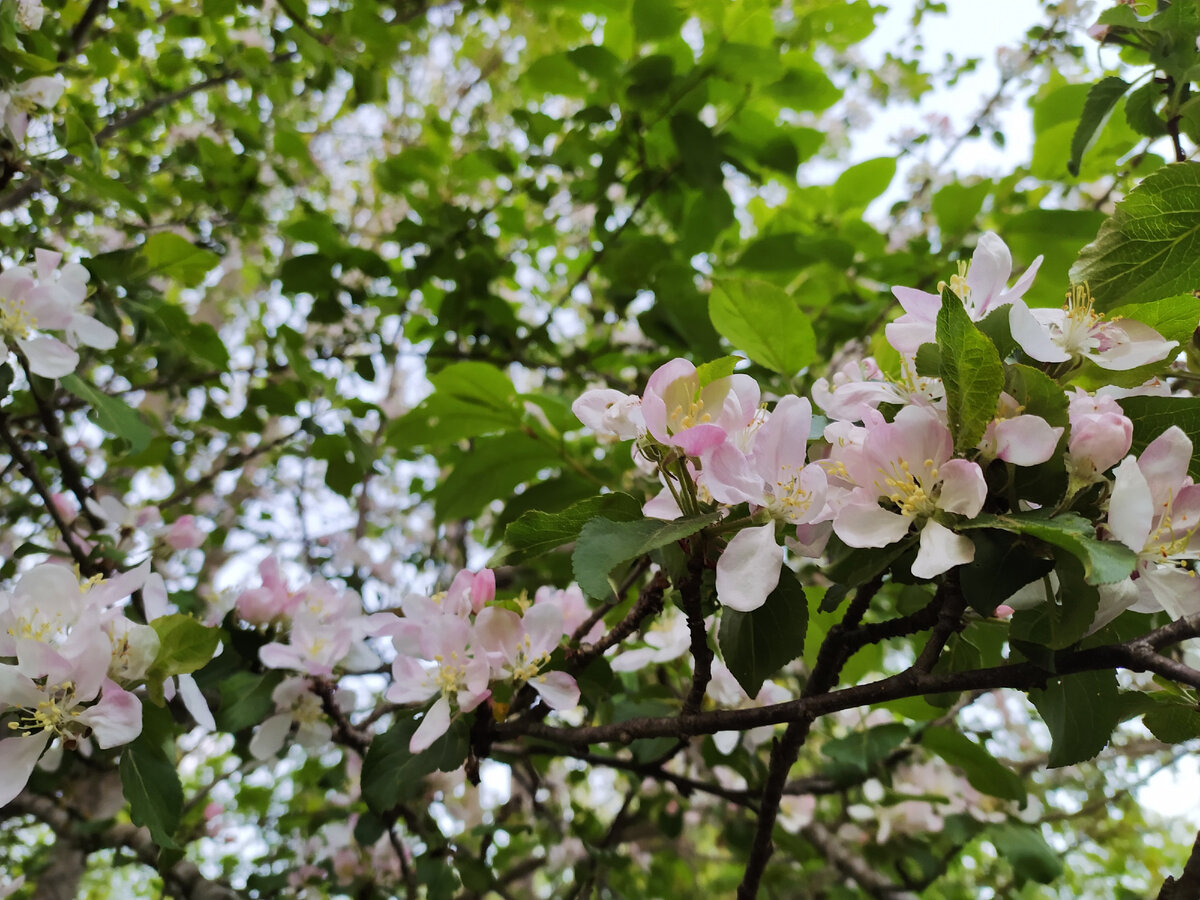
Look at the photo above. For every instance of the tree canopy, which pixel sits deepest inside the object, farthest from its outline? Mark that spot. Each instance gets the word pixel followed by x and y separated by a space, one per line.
pixel 493 450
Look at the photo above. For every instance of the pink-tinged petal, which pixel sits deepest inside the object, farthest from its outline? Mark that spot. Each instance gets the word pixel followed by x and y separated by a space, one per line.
pixel 940 550
pixel 1175 590
pixel 963 487
pixel 698 439
pixel 662 506
pixel 663 393
pixel 729 477
pixel 1026 440
pixel 91 332
pixel 1114 600
pixel 1032 336
pixel 1128 344
pixel 195 704
pixel 1100 439
pixel 748 570
pixel 268 739
pixel 116 719
pixel 45 262
pixel 1023 283
pixel 919 304
pixel 907 335
pixel 860 525
pixel 782 440
pixel 18 756
pixel 543 624
pixel 739 398
pixel 987 278
pixel 154 597
pixel 811 539
pixel 435 723
pixel 1164 462
pixel 499 630
pixel 1131 507
pixel 280 656
pixel 49 357
pixel 18 689
pixel 558 690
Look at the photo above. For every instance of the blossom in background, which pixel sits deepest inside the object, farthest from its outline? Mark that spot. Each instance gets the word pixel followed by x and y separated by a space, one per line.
pixel 520 646
pixel 981 284
pixel 24 312
pixel 67 288
pixel 17 105
pixel 30 14
pixel 296 706
pixel 1076 331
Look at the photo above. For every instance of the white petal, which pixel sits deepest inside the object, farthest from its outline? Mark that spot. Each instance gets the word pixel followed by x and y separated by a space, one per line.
pixel 558 690
pixel 748 570
pixel 269 738
pixel 432 727
pixel 1032 335
pixel 860 525
pixel 1131 508
pixel 18 756
pixel 194 703
pixel 941 549
pixel 49 357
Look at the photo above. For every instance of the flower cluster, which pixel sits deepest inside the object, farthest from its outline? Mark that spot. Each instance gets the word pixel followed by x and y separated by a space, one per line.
pixel 884 467
pixel 458 648
pixel 47 298
pixel 68 655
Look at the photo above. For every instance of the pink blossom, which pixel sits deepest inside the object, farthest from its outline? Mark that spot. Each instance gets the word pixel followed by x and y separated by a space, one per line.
pixel 908 465
pixel 861 385
pixel 1018 438
pixel 1101 435
pixel 680 413
pixel 24 312
pixel 520 646
pixel 981 284
pixel 1155 511
pixel 183 534
pixel 273 600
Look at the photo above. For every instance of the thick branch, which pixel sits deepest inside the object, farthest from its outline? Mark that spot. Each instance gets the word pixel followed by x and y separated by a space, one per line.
pixel 1187 885
pixel 1134 655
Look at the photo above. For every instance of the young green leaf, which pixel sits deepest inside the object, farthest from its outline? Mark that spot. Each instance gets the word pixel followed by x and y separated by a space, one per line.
pixel 1101 100
pixel 604 544
pixel 971 370
pixel 764 321
pixel 755 645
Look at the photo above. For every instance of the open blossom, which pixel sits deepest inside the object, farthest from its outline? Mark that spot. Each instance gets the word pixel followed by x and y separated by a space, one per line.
pixel 774 475
pixel 66 285
pixel 860 385
pixel 905 475
pixel 520 646
pixel 445 665
pixel 20 103
pixel 1155 511
pixel 982 285
pixel 1077 331
pixel 296 706
pixel 680 413
pixel 24 312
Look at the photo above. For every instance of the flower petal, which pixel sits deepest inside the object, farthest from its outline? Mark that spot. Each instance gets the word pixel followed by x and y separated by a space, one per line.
pixel 941 549
pixel 748 570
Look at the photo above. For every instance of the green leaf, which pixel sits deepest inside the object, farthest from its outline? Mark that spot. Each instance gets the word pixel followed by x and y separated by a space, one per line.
pixel 489 471
pixel 698 150
pixel 1027 852
pixel 1037 393
pixel 1101 101
pixel 1150 247
pixel 1141 110
pixel 654 19
pixel 1104 562
pixel 604 544
pixel 765 322
pixel 1151 416
pixel 857 754
pixel 536 532
pixel 862 183
pixel 391 773
pixel 1081 711
pixel 112 414
pixel 246 699
pixel 1002 566
pixel 469 399
pixel 184 646
pixel 150 778
pixel 174 257
pixel 1173 724
pixel 755 645
pixel 956 206
pixel 971 370
pixel 983 772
